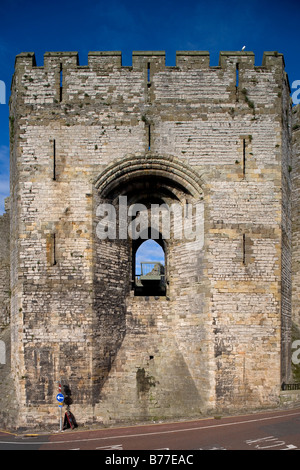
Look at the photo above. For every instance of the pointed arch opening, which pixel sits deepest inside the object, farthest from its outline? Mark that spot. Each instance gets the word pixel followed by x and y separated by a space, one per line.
pixel 149 184
pixel 149 266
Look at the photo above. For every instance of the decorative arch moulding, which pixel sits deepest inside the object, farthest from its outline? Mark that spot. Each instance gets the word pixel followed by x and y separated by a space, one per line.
pixel 170 168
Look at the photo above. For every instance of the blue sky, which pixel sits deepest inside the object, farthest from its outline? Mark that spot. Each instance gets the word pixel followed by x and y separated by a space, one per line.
pixel 125 25
pixel 149 251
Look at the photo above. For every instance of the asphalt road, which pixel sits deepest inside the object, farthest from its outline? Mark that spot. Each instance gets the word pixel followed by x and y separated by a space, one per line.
pixel 275 430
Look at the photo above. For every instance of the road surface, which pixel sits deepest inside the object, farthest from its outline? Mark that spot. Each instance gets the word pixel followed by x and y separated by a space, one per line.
pixel 275 430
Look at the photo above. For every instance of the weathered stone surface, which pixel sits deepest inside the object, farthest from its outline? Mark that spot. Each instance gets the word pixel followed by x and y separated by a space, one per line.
pixel 5 268
pixel 82 135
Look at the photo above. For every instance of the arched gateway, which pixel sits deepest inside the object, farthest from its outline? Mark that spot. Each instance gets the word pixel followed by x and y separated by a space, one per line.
pixel 142 198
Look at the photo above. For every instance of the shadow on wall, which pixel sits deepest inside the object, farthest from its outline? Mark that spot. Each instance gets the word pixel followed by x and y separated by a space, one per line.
pixel 111 285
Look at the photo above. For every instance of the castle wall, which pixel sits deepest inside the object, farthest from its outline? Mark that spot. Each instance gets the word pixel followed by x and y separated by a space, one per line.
pixel 295 219
pixel 8 401
pixel 5 269
pixel 221 327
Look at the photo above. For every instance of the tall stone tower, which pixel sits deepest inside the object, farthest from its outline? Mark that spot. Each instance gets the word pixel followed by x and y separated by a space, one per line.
pixel 295 173
pixel 90 144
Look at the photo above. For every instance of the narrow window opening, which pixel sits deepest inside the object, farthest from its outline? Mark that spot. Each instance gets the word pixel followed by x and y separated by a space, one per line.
pixel 237 75
pixel 244 157
pixel 54 160
pixel 54 248
pixel 149 260
pixel 61 83
pixel 186 210
pixel 237 82
pixel 149 137
pixel 244 249
pixel 148 73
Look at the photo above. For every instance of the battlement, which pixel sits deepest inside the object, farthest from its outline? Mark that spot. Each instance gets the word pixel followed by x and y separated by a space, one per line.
pixel 104 79
pixel 185 59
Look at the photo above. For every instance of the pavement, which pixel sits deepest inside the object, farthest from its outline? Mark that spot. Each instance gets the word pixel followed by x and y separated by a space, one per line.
pixel 272 430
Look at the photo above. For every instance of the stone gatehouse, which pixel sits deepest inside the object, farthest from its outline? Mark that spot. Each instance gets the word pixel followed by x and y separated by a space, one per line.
pixel 217 336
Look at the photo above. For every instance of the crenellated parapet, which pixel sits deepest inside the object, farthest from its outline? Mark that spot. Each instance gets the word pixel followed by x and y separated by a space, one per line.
pixel 61 78
pixel 185 59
